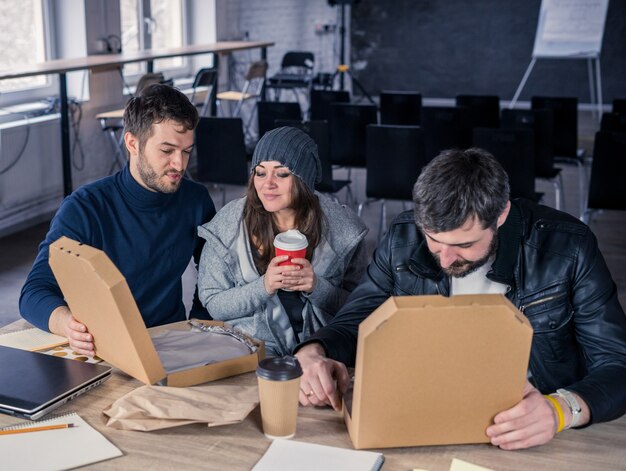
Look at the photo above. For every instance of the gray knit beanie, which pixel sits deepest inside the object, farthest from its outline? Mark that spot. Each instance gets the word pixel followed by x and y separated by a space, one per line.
pixel 294 149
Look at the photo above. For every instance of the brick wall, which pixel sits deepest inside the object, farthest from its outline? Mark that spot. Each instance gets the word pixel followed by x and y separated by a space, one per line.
pixel 291 24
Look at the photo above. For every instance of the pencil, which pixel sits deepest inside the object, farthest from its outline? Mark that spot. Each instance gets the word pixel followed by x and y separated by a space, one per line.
pixel 35 429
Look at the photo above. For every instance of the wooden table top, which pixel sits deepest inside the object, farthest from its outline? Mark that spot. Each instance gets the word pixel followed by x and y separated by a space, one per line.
pixel 108 60
pixel 240 446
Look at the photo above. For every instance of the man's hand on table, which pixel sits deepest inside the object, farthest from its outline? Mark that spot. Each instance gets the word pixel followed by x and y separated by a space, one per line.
pixel 323 380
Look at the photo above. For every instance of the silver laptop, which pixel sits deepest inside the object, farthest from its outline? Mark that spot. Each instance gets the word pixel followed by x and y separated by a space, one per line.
pixel 33 384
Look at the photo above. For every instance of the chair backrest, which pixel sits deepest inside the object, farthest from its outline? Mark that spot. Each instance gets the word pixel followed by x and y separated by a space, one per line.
pixel 205 77
pixel 321 101
pixel 258 69
pixel 514 149
pixel 348 128
pixel 150 78
pixel 403 108
pixel 445 128
pixel 484 109
pixel 270 111
pixel 608 172
pixel 300 59
pixel 541 123
pixel 395 157
pixel 619 105
pixel 565 133
pixel 221 151
pixel 614 122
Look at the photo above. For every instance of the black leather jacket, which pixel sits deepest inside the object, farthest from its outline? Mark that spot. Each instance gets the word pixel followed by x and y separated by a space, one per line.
pixel 554 273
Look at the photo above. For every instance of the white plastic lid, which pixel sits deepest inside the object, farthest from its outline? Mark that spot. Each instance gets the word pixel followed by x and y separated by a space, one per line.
pixel 292 239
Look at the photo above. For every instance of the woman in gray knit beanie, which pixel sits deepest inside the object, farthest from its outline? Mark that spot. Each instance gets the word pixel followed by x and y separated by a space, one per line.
pixel 241 280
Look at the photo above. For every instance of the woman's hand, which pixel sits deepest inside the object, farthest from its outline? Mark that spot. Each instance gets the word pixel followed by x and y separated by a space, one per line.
pixel 300 279
pixel 297 277
pixel 273 278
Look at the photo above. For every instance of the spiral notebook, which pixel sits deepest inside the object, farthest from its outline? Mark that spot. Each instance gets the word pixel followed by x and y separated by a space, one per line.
pixel 59 449
pixel 32 339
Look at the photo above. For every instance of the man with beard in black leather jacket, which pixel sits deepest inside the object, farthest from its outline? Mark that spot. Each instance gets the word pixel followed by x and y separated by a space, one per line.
pixel 465 236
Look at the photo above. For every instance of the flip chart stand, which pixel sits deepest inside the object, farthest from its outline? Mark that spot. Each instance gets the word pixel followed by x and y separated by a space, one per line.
pixel 595 83
pixel 570 29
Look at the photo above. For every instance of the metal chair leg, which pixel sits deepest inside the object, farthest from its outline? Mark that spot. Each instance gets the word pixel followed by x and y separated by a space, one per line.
pixel 558 197
pixel 383 218
pixel 359 210
pixel 350 197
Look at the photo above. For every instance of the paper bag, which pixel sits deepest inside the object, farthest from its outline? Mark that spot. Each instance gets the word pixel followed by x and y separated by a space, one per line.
pixel 157 407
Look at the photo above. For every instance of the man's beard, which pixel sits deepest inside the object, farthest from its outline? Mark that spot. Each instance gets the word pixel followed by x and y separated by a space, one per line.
pixel 152 180
pixel 462 268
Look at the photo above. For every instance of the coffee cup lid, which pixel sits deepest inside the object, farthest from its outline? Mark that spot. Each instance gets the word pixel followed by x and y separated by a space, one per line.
pixel 279 368
pixel 292 239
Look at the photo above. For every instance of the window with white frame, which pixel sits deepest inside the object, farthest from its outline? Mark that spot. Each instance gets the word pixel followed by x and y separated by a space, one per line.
pixel 153 24
pixel 25 27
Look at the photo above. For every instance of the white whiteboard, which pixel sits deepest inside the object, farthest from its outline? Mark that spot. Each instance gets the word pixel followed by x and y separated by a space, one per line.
pixel 570 28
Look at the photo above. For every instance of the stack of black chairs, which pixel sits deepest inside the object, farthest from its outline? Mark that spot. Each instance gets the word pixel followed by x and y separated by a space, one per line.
pixel 270 111
pixel 321 101
pixel 541 123
pixel 221 153
pixel 608 169
pixel 400 107
pixel 394 159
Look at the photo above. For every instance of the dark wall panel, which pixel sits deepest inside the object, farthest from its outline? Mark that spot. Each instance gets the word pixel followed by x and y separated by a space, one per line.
pixel 446 47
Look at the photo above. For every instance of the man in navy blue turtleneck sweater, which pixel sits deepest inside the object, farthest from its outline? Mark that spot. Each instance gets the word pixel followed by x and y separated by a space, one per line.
pixel 143 217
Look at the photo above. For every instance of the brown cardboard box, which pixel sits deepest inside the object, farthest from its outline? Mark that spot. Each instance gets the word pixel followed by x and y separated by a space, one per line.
pixel 432 370
pixel 98 296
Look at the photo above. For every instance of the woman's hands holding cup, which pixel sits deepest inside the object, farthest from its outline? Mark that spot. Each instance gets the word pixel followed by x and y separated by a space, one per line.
pixel 300 279
pixel 273 278
pixel 297 276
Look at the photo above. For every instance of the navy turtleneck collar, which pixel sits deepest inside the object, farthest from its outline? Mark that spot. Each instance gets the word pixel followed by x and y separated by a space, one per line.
pixel 139 196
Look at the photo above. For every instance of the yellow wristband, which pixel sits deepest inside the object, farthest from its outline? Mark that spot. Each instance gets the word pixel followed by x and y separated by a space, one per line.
pixel 559 412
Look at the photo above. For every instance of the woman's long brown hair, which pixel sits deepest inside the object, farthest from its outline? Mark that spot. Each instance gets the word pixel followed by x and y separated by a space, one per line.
pixel 262 227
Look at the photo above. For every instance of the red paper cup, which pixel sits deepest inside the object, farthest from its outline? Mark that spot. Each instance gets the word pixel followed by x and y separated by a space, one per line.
pixel 292 243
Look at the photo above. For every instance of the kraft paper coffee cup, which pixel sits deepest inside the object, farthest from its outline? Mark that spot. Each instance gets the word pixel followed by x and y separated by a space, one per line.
pixel 292 243
pixel 279 385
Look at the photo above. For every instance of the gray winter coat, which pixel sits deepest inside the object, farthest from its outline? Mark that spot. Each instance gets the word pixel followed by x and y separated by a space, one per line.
pixel 237 295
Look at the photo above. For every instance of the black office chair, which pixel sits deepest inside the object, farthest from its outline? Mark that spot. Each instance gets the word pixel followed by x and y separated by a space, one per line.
pixel 608 174
pixel 484 109
pixel 613 122
pixel 541 123
pixel 445 128
pixel 401 108
pixel 348 128
pixel 205 78
pixel 319 132
pixel 565 137
pixel 619 105
pixel 296 72
pixel 321 101
pixel 514 149
pixel 270 111
pixel 221 153
pixel 395 157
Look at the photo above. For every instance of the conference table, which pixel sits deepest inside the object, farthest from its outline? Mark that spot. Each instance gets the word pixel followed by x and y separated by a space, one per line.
pixel 240 446
pixel 63 66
